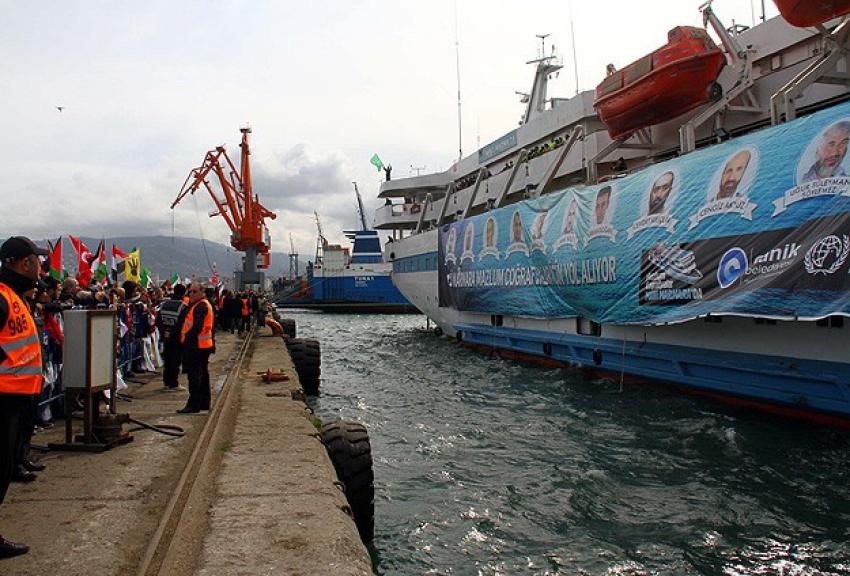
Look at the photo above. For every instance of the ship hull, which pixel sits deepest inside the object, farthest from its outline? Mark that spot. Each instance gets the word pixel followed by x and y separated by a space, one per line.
pixel 793 368
pixel 348 290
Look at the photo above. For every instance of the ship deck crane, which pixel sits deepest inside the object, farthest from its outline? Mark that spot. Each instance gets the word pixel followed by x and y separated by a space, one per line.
pixel 238 205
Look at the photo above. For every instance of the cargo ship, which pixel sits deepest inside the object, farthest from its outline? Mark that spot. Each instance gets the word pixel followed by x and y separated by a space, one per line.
pixel 701 240
pixel 339 280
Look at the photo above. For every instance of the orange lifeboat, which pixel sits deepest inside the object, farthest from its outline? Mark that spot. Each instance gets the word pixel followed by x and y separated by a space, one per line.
pixel 804 13
pixel 676 78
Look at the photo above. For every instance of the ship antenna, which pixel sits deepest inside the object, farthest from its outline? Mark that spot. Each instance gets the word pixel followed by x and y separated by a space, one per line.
pixel 573 36
pixel 542 44
pixel 457 70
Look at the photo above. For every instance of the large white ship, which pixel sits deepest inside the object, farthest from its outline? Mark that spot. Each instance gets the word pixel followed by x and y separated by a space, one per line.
pixel 688 222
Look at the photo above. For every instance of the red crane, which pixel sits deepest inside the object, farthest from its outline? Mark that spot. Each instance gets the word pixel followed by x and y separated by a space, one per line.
pixel 239 207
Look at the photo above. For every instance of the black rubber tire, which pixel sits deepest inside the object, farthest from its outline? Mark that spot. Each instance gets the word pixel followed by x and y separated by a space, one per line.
pixel 438 331
pixel 307 357
pixel 349 449
pixel 288 325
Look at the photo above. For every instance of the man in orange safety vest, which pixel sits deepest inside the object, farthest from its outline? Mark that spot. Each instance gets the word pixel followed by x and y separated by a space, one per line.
pixel 20 358
pixel 198 342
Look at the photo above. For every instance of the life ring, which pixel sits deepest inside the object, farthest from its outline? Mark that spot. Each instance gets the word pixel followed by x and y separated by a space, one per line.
pixel 277 329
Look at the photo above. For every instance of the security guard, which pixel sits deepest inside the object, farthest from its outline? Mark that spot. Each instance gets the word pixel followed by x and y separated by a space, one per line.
pixel 169 321
pixel 196 337
pixel 20 356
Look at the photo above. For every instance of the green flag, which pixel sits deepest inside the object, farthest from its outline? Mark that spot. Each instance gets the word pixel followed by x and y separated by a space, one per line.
pixel 145 278
pixel 376 162
pixel 173 279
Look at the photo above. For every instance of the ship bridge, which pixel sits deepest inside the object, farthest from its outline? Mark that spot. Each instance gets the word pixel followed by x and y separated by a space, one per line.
pixel 413 191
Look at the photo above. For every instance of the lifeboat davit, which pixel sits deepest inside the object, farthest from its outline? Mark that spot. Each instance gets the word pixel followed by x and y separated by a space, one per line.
pixel 676 78
pixel 804 13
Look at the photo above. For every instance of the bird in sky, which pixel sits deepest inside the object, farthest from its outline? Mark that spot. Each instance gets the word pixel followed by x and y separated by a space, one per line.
pixel 60 108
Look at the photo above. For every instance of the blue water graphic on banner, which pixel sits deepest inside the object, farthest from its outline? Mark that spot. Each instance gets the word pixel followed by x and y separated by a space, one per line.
pixel 758 226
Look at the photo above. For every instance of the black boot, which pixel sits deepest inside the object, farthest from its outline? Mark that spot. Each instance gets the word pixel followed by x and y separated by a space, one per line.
pixel 33 466
pixel 12 549
pixel 21 474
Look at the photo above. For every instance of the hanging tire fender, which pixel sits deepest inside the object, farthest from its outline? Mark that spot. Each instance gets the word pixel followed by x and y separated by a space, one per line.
pixel 350 451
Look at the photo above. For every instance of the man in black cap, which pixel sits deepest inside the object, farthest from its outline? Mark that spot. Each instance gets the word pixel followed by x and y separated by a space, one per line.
pixel 20 355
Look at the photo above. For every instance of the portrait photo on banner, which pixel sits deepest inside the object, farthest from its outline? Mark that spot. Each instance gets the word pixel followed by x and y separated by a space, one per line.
pixel 491 235
pixel 451 241
pixel 518 243
pixel 826 155
pixel 468 242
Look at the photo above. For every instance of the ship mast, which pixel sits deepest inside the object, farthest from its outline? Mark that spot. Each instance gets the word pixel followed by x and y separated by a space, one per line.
pixel 545 65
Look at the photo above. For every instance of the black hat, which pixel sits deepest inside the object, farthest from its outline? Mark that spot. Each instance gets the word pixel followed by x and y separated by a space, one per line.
pixel 49 281
pixel 18 247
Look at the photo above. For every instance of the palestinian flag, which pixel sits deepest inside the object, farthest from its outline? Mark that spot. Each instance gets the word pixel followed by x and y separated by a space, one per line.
pixel 97 265
pixel 53 266
pixel 84 257
pixel 118 258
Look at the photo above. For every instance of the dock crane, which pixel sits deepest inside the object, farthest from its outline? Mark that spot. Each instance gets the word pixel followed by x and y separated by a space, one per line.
pixel 293 259
pixel 239 207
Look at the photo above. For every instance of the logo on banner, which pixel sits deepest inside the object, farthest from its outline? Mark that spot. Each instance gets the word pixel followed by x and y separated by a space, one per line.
pixel 733 265
pixel 678 263
pixel 655 213
pixel 827 255
pixel 821 170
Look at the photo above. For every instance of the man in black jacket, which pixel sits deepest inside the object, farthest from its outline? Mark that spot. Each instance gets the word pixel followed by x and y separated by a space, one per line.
pixel 172 312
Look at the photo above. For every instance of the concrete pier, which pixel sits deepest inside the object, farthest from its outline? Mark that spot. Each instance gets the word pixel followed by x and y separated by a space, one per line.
pixel 264 501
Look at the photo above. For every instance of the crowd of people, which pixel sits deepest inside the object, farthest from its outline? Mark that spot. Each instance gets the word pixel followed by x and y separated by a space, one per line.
pixel 167 327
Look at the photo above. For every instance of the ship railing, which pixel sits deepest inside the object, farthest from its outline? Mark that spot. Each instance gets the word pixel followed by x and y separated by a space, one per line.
pixel 822 70
pixel 741 61
pixel 638 140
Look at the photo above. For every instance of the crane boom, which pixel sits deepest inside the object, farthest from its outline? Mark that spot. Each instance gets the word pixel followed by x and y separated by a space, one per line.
pixel 360 211
pixel 236 203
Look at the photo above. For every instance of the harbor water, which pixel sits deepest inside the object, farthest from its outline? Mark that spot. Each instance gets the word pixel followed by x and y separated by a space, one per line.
pixel 488 466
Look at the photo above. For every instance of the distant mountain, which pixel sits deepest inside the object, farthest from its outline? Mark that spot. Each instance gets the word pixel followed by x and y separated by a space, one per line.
pixel 165 255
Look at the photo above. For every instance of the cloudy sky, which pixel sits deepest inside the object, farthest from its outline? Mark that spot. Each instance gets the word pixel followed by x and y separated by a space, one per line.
pixel 148 87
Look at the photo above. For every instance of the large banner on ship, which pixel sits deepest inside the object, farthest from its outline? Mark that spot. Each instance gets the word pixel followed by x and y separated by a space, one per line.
pixel 758 226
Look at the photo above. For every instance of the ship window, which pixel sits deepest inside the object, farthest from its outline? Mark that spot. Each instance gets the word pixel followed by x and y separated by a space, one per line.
pixel 496 320
pixel 587 327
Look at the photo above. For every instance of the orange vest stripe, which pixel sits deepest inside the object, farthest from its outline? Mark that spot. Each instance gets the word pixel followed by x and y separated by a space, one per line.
pixel 21 371
pixel 245 310
pixel 205 337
